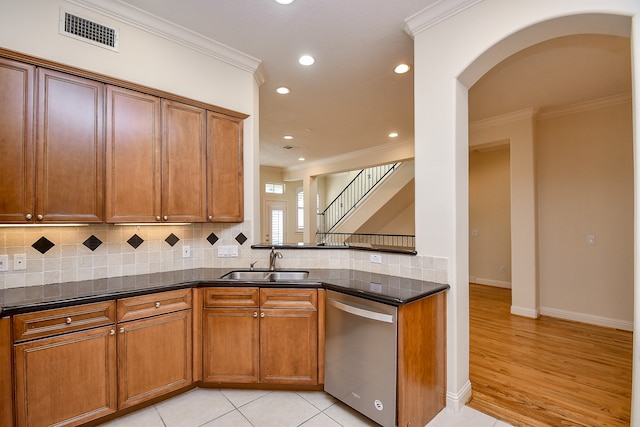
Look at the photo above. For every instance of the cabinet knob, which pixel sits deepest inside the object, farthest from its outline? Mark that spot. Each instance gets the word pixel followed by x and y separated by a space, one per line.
pixel 255 314
pixel 39 217
pixel 262 314
pixel 122 330
pixel 29 216
pixel 112 332
pixel 68 321
pixel 166 218
pixel 210 217
pixel 157 304
pixel 158 218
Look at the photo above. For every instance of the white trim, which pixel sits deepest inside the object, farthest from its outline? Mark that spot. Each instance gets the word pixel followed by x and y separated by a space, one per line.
pixel 431 15
pixel 625 325
pixel 457 401
pixel 527 113
pixel 490 282
pixel 593 104
pixel 526 312
pixel 162 28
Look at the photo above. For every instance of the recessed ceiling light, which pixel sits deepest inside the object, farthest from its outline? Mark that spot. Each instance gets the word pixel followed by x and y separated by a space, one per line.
pixel 284 1
pixel 283 90
pixel 287 137
pixel 306 60
pixel 301 159
pixel 401 69
pixel 393 135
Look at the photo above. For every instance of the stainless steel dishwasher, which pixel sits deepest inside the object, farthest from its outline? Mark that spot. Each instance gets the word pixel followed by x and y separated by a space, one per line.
pixel 361 354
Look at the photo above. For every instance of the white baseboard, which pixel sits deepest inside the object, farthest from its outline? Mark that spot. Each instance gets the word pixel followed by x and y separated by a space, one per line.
pixel 588 318
pixel 526 312
pixel 490 282
pixel 456 401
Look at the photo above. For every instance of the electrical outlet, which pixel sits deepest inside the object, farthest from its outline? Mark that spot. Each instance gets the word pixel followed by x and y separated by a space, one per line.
pixel 375 287
pixel 4 262
pixel 503 269
pixel 591 240
pixel 375 258
pixel 19 262
pixel 186 251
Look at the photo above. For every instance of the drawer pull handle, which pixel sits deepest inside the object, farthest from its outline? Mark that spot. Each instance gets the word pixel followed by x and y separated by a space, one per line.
pixel 112 332
pixel 157 304
pixel 122 330
pixel 68 321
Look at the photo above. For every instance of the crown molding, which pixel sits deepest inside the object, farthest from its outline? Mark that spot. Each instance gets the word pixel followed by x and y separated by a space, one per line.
pixel 595 104
pixel 169 31
pixel 435 13
pixel 527 113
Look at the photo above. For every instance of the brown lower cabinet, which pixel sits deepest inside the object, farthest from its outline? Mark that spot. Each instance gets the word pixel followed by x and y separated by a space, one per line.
pixel 76 364
pixel 253 335
pixel 66 380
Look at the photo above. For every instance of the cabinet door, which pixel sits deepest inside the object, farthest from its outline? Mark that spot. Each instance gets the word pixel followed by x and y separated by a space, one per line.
pixel 225 188
pixel 288 336
pixel 67 380
pixel 70 148
pixel 133 191
pixel 230 345
pixel 154 357
pixel 183 162
pixel 17 147
pixel 6 374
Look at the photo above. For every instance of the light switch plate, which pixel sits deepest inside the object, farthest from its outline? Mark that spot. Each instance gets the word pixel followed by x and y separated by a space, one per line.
pixel 227 251
pixel 4 262
pixel 19 262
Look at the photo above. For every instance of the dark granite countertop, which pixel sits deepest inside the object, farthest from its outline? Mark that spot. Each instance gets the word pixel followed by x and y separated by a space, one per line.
pixel 383 288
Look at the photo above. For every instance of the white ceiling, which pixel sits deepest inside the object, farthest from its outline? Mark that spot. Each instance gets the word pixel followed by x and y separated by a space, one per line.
pixel 350 99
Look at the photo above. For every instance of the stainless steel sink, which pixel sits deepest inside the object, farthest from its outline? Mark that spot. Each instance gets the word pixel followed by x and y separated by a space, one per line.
pixel 265 276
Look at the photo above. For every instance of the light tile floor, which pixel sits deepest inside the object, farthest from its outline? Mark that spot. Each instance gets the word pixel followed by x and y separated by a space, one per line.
pixel 258 408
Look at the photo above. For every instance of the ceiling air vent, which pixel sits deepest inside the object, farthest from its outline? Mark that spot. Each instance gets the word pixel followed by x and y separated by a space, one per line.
pixel 88 31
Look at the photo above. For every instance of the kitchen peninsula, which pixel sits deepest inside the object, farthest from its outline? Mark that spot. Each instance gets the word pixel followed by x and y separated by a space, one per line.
pixel 118 317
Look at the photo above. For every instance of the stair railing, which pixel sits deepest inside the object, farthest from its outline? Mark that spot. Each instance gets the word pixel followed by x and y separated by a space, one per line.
pixel 351 195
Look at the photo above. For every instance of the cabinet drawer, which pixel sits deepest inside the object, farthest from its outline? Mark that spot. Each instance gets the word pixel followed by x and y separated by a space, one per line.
pixel 306 299
pixel 47 323
pixel 153 304
pixel 231 297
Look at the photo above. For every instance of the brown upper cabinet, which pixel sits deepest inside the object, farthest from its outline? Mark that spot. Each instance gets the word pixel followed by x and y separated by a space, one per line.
pixel 225 186
pixel 58 175
pixel 167 158
pixel 69 148
pixel 133 159
pixel 156 159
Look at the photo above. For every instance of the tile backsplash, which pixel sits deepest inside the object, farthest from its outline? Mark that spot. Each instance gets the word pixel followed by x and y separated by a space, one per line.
pixel 69 254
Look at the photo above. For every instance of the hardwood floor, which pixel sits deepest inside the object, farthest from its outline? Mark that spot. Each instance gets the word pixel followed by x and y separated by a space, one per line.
pixel 546 372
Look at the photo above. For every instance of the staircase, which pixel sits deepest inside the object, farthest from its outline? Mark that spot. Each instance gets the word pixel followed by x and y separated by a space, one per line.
pixel 365 196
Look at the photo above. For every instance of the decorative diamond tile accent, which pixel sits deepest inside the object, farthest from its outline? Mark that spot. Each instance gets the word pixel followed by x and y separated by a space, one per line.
pixel 172 239
pixel 212 238
pixel 241 238
pixel 42 245
pixel 135 241
pixel 92 243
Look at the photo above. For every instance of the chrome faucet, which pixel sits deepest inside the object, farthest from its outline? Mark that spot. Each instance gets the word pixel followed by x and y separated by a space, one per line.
pixel 272 259
pixel 251 265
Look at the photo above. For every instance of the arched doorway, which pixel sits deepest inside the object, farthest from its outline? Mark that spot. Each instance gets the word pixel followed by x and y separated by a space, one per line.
pixel 477 39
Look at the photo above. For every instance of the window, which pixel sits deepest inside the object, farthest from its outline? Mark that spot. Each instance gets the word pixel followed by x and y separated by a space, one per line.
pixel 277 227
pixel 300 209
pixel 273 188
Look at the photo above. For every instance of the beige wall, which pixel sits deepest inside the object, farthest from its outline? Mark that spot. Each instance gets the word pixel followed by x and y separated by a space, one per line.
pixel 490 216
pixel 585 187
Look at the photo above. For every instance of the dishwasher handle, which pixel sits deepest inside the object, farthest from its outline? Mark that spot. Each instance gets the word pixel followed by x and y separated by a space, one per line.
pixel 361 312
